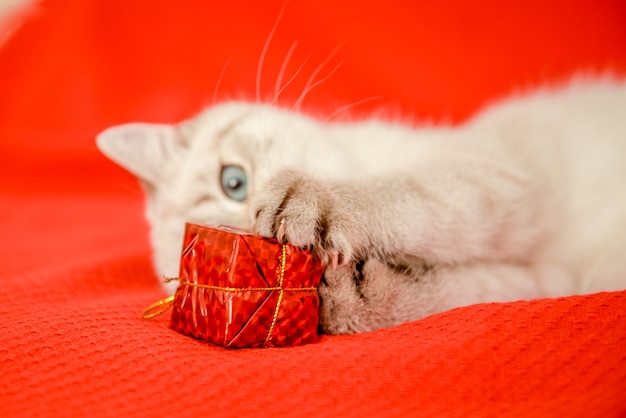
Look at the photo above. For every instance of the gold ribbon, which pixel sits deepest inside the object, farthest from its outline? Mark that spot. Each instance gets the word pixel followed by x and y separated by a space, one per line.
pixel 163 305
pixel 281 276
pixel 157 308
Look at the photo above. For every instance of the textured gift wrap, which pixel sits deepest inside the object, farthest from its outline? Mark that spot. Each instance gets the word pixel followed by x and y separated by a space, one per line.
pixel 241 290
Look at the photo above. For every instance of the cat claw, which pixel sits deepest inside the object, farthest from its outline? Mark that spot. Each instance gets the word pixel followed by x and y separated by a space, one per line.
pixel 334 260
pixel 280 234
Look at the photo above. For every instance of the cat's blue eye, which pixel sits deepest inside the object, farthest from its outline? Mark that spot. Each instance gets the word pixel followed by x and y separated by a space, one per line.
pixel 234 182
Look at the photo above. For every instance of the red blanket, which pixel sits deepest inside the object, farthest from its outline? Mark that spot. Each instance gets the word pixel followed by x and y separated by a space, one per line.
pixel 75 260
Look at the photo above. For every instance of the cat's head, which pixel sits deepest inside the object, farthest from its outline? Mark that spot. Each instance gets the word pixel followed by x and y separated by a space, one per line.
pixel 206 169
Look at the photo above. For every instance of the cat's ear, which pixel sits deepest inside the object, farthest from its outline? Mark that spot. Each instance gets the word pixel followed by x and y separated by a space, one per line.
pixel 149 151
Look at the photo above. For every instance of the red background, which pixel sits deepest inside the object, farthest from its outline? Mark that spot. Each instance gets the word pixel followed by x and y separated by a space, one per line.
pixel 74 257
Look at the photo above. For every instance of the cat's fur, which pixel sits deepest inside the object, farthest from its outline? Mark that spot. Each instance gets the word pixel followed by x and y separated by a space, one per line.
pixel 526 200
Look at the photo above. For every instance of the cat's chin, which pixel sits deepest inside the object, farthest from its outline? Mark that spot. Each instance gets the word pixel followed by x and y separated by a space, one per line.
pixel 168 276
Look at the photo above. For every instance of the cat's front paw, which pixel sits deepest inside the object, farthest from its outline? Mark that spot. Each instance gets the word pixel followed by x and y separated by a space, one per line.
pixel 300 210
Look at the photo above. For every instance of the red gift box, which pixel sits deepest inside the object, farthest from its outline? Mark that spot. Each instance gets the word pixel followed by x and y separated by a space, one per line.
pixel 241 290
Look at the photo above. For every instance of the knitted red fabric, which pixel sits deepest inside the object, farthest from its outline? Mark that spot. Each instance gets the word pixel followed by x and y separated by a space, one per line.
pixel 75 265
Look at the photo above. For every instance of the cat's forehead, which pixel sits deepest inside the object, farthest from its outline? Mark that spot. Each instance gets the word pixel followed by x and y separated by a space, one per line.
pixel 237 118
pixel 245 130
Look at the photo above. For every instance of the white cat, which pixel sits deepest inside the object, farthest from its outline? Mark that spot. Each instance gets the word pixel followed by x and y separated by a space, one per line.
pixel 526 200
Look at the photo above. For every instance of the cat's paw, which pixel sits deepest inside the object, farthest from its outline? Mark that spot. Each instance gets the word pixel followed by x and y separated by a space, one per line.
pixel 366 295
pixel 300 210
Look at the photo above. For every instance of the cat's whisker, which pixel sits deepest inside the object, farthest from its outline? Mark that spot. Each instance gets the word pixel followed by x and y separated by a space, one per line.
pixel 283 68
pixel 259 69
pixel 219 80
pixel 290 80
pixel 310 87
pixel 350 106
pixel 132 191
pixel 310 84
